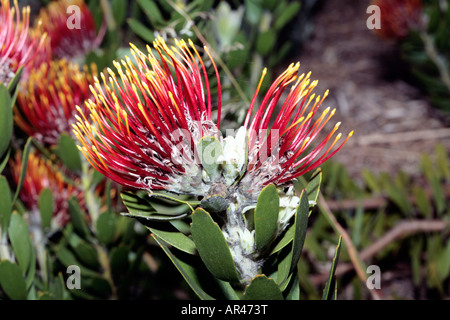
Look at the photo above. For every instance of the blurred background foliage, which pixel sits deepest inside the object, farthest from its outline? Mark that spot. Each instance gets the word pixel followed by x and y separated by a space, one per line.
pixel 397 222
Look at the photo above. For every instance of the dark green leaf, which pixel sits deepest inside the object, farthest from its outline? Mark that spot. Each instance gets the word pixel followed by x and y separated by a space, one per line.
pixel 287 15
pixel 141 30
pixel 45 203
pixel 213 247
pixel 5 203
pixel 265 42
pixel 188 272
pixel 137 203
pixel 6 120
pixel 12 86
pixel 119 10
pixel 152 11
pixel 20 241
pixel 176 239
pixel 106 227
pixel 301 225
pixel 23 169
pixel 262 288
pixel 328 291
pixel 77 217
pixel 266 216
pixel 285 240
pixel 68 152
pixel 12 281
pixel 4 160
pixel 313 187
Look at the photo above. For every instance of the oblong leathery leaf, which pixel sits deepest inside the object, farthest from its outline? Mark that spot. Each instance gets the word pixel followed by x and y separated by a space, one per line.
pixel 176 239
pixel 263 288
pixel 23 168
pixel 301 224
pixel 12 281
pixel 6 120
pixel 187 271
pixel 68 152
pixel 212 246
pixel 313 187
pixel 266 216
pixel 5 203
pixel 137 203
pixel 20 241
pixel 328 290
pixel 45 203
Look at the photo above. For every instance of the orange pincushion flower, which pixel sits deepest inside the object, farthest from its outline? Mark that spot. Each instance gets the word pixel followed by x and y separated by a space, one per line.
pixel 398 17
pixel 42 174
pixel 18 46
pixel 70 39
pixel 46 104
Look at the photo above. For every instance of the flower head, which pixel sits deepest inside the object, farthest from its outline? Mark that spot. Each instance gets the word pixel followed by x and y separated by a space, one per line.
pixel 72 36
pixel 46 102
pixel 18 45
pixel 42 174
pixel 153 128
pixel 398 17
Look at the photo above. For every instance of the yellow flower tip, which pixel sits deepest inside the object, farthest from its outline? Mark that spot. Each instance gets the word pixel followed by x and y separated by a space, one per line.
pixel 333 112
pixel 133 46
pixel 350 134
pixel 337 125
pixel 326 93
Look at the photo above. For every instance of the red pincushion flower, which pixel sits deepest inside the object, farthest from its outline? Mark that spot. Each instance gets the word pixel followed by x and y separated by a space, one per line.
pixel 42 174
pixel 18 46
pixel 148 129
pixel 71 28
pixel 46 102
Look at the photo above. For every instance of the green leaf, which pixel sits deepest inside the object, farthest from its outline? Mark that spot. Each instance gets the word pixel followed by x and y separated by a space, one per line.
pixel 12 86
pixel 6 120
pixel 5 203
pixel 84 251
pixel 106 227
pixel 4 160
pixel 137 203
pixel 328 291
pixel 12 281
pixel 266 216
pixel 313 187
pixel 213 247
pixel 152 11
pixel 285 240
pixel 20 241
pixel 147 220
pixel 119 10
pixel 287 15
pixel 23 169
pixel 188 272
pixel 45 203
pixel 141 30
pixel 209 149
pixel 176 239
pixel 265 42
pixel 293 289
pixel 77 218
pixel 301 225
pixel 262 288
pixel 68 152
